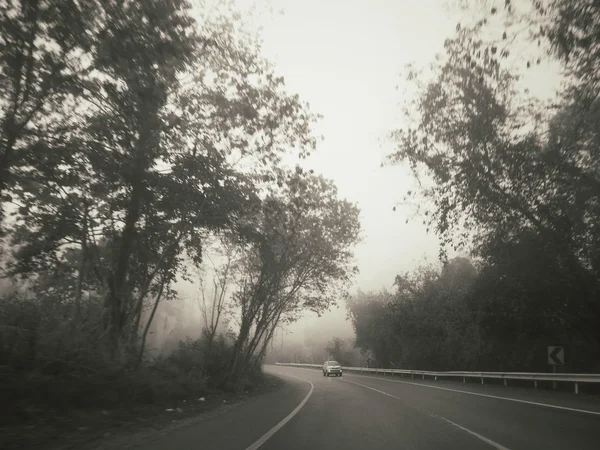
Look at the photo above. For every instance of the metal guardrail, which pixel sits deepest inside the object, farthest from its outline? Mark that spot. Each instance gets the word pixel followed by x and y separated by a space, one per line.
pixel 575 378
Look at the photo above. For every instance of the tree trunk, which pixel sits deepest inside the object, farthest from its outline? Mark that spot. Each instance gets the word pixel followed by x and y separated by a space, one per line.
pixel 137 172
pixel 238 346
pixel 82 264
pixel 265 345
pixel 7 152
pixel 266 325
pixel 9 137
pixel 138 316
pixel 247 320
pixel 150 319
pixel 115 298
pixel 79 286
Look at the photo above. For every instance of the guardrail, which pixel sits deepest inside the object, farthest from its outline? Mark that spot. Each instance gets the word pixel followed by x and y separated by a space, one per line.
pixel 575 378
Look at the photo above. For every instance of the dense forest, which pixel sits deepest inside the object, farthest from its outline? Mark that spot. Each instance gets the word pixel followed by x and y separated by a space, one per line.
pixel 515 182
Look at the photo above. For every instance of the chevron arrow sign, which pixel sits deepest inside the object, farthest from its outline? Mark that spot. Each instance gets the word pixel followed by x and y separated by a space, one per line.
pixel 556 356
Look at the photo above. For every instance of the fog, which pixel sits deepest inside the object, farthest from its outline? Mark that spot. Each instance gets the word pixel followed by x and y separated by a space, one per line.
pixel 181 319
pixel 351 78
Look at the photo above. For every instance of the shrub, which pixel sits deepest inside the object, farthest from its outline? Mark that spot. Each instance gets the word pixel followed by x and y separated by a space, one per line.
pixel 55 358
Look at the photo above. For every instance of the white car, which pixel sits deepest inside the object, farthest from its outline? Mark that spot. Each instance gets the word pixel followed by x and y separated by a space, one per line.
pixel 332 368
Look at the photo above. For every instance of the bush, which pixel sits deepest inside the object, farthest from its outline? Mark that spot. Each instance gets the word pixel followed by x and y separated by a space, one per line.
pixel 56 358
pixel 50 337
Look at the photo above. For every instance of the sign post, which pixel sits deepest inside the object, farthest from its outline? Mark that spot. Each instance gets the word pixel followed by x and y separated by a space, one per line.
pixel 556 357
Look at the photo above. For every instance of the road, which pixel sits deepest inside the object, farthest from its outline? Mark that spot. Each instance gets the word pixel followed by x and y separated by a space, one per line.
pixel 365 413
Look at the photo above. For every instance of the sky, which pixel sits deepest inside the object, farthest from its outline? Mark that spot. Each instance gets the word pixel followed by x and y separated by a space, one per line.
pixel 346 58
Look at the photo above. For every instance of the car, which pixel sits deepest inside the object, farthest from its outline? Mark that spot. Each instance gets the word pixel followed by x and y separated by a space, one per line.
pixel 332 368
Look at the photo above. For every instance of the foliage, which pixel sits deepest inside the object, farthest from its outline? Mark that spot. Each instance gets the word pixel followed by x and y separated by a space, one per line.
pixel 299 257
pixel 515 181
pixel 140 165
pixel 501 318
pixel 53 362
pixel 131 132
pixel 366 312
pixel 343 351
pixel 44 47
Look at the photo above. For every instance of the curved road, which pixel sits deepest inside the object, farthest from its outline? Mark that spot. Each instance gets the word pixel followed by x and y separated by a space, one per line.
pixel 363 413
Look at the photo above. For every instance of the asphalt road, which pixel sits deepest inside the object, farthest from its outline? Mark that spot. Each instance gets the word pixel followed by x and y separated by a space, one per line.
pixel 363 413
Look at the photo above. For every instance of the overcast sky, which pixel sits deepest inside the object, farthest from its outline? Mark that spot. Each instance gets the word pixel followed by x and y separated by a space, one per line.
pixel 345 57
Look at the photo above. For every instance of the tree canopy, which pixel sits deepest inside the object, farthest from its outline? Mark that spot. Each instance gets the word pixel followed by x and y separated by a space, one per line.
pixel 514 180
pixel 134 130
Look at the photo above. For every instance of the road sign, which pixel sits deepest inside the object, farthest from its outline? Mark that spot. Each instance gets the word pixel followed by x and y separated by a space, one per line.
pixel 556 356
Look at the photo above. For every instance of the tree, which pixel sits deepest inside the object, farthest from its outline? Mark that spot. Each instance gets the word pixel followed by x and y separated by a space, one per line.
pixel 214 307
pixel 342 351
pixel 504 171
pixel 299 258
pixel 526 300
pixel 153 163
pixel 569 31
pixel 372 327
pixel 427 323
pixel 43 57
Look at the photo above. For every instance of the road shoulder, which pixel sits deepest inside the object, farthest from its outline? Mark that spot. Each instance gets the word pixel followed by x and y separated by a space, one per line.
pixel 236 425
pixel 121 429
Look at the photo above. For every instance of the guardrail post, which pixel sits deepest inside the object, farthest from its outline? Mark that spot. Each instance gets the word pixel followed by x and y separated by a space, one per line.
pixel 505 382
pixel 423 376
pixel 464 379
pixel 436 378
pixel 481 380
pixel 535 384
pixel 576 388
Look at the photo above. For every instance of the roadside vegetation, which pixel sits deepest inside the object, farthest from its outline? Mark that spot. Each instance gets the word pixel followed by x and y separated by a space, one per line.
pixel 132 135
pixel 510 184
pixel 514 182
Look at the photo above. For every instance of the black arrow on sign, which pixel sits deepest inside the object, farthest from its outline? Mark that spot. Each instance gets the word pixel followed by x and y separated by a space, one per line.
pixel 554 356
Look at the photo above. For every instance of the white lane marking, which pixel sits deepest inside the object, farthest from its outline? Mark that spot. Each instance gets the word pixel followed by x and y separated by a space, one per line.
pixel 509 399
pixel 265 437
pixel 472 433
pixel 477 435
